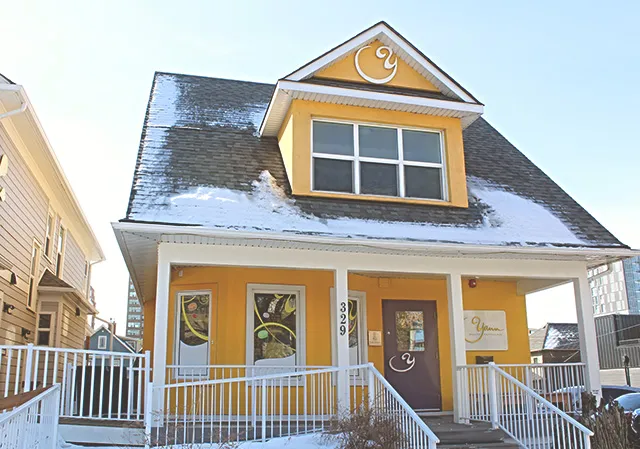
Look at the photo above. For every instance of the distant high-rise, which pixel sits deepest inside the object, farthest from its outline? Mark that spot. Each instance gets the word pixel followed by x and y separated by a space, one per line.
pixel 615 288
pixel 134 314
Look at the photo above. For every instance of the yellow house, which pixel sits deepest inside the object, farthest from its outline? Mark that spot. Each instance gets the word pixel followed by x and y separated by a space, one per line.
pixel 358 211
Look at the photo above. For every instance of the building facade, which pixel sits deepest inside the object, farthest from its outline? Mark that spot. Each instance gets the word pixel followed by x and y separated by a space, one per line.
pixel 135 319
pixel 360 210
pixel 615 288
pixel 47 247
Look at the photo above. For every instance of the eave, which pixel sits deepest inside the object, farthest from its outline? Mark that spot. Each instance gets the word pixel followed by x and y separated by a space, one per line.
pixel 287 91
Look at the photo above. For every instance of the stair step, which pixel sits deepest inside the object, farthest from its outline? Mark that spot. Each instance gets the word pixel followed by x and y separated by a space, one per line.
pixel 503 445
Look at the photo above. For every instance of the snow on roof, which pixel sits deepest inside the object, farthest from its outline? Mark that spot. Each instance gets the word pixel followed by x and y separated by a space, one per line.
pixel 507 217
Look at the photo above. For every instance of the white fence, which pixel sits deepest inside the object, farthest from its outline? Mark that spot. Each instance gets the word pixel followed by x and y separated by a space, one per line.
pixel 33 424
pixel 281 404
pixel 93 384
pixel 492 394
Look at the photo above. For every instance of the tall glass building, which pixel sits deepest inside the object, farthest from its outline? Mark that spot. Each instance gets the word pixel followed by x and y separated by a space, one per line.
pixel 134 314
pixel 615 288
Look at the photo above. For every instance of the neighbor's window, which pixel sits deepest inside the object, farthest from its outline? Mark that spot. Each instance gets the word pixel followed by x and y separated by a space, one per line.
pixel 45 326
pixel 33 274
pixel 102 342
pixel 378 160
pixel 60 257
pixel 276 326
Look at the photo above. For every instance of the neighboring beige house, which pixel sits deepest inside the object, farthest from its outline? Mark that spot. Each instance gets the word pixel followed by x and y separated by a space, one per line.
pixel 47 247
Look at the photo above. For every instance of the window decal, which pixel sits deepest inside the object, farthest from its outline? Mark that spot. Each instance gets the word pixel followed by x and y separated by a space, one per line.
pixel 274 333
pixel 194 321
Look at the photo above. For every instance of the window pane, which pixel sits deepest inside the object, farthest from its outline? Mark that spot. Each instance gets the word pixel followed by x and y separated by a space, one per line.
pixel 44 322
pixel 194 320
pixel 410 331
pixel 354 350
pixel 43 338
pixel 421 146
pixel 378 142
pixel 332 175
pixel 333 138
pixel 274 328
pixel 378 179
pixel 423 182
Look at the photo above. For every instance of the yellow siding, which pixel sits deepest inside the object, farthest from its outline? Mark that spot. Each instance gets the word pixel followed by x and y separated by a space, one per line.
pixel 299 169
pixel 228 331
pixel 373 66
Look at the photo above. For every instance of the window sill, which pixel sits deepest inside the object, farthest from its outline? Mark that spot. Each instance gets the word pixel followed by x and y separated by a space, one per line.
pixel 382 199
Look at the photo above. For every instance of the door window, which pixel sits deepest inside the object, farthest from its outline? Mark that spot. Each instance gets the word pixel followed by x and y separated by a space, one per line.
pixel 192 347
pixel 410 331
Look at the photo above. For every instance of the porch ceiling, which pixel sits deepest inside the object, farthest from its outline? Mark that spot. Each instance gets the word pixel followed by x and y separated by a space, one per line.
pixel 139 245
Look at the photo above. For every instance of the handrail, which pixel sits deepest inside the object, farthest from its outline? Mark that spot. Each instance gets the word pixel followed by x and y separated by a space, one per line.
pixel 96 352
pixel 334 369
pixel 11 413
pixel 410 411
pixel 535 395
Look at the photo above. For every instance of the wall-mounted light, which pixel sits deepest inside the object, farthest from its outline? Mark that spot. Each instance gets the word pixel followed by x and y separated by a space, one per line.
pixel 14 279
pixel 4 164
pixel 25 332
pixel 8 308
pixel 77 311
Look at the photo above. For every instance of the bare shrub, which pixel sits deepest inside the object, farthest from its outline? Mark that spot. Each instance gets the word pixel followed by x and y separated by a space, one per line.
pixel 610 426
pixel 370 428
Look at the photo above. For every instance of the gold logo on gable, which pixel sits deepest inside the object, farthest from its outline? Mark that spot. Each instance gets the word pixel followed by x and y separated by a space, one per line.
pixel 383 52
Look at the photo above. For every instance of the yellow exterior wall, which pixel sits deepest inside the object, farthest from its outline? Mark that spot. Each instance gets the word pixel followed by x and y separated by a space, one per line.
pixel 373 66
pixel 228 330
pixel 299 169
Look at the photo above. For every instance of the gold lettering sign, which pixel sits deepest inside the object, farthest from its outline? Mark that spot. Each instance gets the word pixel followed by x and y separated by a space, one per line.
pixel 485 330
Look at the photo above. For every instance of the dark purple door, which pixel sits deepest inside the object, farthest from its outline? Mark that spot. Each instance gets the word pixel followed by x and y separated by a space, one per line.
pixel 411 352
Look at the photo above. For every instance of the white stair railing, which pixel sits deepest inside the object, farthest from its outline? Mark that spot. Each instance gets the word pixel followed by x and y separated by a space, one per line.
pixel 274 405
pixel 494 395
pixel 33 423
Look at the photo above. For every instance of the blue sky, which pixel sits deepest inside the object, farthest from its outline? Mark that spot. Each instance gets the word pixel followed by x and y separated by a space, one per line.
pixel 559 80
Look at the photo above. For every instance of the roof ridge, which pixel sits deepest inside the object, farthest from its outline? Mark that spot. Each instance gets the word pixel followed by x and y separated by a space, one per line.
pixel 160 72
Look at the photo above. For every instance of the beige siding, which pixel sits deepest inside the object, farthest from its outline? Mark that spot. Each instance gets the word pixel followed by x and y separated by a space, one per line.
pixel 12 324
pixel 73 265
pixel 72 327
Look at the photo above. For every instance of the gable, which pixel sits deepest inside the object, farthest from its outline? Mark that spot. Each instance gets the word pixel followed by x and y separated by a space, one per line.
pixel 376 63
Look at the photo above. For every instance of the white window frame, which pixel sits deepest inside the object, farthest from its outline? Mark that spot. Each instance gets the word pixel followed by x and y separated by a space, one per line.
pixel 49 329
pixel 102 342
pixel 300 291
pixel 399 162
pixel 49 235
pixel 60 250
pixel 176 336
pixel 361 298
pixel 34 275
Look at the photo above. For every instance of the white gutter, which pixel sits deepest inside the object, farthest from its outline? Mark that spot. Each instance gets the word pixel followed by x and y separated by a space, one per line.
pixel 459 249
pixel 23 103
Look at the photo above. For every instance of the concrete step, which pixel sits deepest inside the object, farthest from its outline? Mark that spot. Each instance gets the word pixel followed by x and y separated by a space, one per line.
pixel 475 435
pixel 510 444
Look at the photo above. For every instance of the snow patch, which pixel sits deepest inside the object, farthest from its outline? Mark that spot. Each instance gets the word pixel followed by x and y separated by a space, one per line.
pixel 508 219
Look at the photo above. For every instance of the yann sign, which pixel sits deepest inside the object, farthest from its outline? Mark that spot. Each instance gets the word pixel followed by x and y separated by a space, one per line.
pixel 485 330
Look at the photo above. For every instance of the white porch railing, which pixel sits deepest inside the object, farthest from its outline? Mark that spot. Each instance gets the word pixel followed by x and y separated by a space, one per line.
pixel 187 373
pixel 33 424
pixel 491 394
pixel 93 384
pixel 280 404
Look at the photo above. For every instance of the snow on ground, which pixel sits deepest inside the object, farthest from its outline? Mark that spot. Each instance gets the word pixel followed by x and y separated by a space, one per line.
pixel 295 442
pixel 508 219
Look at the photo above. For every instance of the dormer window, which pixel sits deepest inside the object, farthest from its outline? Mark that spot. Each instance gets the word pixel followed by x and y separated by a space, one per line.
pixel 367 159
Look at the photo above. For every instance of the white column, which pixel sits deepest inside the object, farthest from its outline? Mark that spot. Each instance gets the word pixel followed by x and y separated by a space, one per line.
pixel 160 332
pixel 456 337
pixel 342 334
pixel 587 331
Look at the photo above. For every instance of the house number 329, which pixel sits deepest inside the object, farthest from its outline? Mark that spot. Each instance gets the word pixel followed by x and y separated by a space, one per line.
pixel 343 318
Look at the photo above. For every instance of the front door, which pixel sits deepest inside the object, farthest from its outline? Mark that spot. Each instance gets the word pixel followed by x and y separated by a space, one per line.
pixel 411 352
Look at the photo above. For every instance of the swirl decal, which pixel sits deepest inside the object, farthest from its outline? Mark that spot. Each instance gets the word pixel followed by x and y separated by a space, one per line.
pixel 408 359
pixel 380 53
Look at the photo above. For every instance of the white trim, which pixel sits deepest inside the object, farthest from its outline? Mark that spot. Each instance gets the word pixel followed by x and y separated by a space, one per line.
pixel 457 342
pixel 61 246
pixel 359 98
pixel 398 162
pixel 176 336
pixel 301 320
pixel 363 344
pixel 368 36
pixel 34 276
pixel 587 334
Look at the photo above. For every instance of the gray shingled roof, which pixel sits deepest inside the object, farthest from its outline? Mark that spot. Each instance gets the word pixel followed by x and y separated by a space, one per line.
pixel 203 132
pixel 555 336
